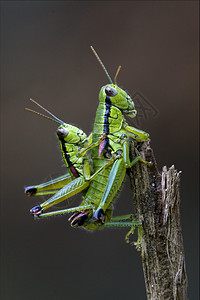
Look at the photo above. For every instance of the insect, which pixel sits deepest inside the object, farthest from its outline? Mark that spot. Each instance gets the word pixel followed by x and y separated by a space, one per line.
pixel 71 140
pixel 110 156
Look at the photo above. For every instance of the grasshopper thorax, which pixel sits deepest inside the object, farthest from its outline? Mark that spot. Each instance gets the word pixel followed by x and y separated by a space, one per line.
pixel 119 98
pixel 70 134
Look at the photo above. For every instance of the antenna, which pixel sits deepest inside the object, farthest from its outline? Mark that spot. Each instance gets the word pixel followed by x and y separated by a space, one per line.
pixel 119 68
pixel 54 117
pixel 41 115
pixel 99 60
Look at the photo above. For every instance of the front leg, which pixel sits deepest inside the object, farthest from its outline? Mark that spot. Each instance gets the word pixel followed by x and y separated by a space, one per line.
pixel 126 155
pixel 137 134
pixel 82 152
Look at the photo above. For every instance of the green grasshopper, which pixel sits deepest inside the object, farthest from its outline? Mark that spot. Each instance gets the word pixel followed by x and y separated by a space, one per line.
pixel 110 162
pixel 71 140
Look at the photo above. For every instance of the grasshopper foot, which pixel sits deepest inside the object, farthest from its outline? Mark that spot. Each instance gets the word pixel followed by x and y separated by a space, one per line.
pixel 99 215
pixel 36 210
pixel 30 191
pixel 78 218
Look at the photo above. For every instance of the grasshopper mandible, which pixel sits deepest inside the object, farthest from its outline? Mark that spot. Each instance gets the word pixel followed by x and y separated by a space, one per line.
pixel 110 161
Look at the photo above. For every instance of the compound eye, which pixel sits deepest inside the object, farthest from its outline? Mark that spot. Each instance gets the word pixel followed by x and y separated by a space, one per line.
pixel 110 91
pixel 62 133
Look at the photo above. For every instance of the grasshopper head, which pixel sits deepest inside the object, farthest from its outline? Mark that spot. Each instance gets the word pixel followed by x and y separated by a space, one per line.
pixel 70 134
pixel 118 98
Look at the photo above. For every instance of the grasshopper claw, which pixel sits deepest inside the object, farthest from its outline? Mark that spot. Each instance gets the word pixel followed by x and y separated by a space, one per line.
pixel 30 191
pixel 36 210
pixel 78 218
pixel 99 215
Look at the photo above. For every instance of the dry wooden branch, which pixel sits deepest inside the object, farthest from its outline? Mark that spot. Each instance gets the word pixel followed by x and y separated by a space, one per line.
pixel 157 200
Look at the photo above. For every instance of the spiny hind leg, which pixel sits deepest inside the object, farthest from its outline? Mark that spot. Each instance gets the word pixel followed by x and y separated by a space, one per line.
pixel 115 180
pixel 71 189
pixel 65 211
pixel 49 187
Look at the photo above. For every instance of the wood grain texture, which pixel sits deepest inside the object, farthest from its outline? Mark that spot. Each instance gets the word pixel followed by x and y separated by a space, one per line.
pixel 156 200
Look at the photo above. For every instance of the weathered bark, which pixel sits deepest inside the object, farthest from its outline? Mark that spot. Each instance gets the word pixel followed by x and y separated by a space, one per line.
pixel 157 200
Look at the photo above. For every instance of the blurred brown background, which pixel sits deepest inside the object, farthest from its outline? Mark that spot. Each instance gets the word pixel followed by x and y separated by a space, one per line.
pixel 45 55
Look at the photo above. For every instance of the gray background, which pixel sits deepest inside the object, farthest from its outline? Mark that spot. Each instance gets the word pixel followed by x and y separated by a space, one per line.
pixel 45 55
